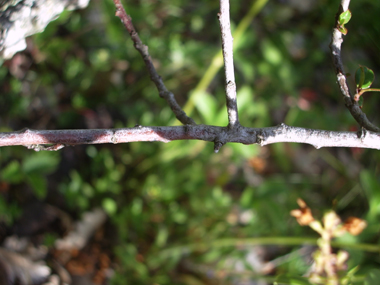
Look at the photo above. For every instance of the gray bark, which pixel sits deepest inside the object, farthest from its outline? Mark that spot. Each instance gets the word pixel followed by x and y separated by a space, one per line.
pixel 22 18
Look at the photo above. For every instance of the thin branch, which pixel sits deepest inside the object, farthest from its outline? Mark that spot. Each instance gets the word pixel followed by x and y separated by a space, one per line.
pixel 227 47
pixel 143 50
pixel 335 46
pixel 263 136
pixel 216 62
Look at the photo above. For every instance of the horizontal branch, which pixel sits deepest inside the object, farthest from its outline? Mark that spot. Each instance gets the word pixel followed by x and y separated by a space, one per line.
pixel 35 139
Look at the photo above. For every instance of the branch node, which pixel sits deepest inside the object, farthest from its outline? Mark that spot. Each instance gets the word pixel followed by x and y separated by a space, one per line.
pixel 163 94
pixel 38 147
pixel 234 126
pixel 34 147
pixel 24 131
pixel 231 85
pixel 281 127
pixel 260 138
pixel 113 138
pixel 187 128
pixel 217 146
pixel 362 133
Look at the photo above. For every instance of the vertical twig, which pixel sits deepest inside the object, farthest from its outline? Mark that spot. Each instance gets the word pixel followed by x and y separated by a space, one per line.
pixel 227 46
pixel 157 80
pixel 336 48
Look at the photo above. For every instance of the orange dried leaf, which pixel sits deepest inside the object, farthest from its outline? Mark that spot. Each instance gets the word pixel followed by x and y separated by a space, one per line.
pixel 304 216
pixel 354 225
pixel 301 203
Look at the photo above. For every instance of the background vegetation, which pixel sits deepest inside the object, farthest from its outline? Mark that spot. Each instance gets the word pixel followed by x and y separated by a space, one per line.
pixel 166 201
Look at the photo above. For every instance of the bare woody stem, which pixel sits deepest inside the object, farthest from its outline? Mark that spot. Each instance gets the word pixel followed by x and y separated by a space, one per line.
pixel 36 139
pixel 143 50
pixel 55 140
pixel 335 46
pixel 227 47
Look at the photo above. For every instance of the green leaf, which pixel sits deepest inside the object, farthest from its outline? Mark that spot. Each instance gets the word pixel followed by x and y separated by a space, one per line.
pixel 162 236
pixel 8 211
pixel 247 197
pixel 41 162
pixel 38 184
pixel 359 77
pixel 345 17
pixel 109 205
pixel 373 277
pixel 361 101
pixel 292 280
pixel 371 185
pixel 343 30
pixel 364 77
pixel 12 172
pixel 369 78
pixel 207 106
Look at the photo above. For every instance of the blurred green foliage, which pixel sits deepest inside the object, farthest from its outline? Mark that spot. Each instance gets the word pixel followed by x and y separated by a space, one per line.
pixel 83 72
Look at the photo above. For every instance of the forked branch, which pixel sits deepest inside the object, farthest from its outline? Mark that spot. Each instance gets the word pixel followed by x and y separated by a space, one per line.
pixel 54 140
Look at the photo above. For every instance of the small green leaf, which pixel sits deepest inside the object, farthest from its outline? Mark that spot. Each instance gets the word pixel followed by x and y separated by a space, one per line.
pixel 361 101
pixel 41 162
pixel 345 17
pixel 12 172
pixel 39 185
pixel 292 280
pixel 162 236
pixel 359 77
pixel 109 205
pixel 372 277
pixel 343 30
pixel 369 78
pixel 207 106
pixel 364 77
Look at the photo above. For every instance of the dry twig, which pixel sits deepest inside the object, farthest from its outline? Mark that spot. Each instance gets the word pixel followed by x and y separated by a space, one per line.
pixel 37 140
pixel 143 50
pixel 262 136
pixel 336 47
pixel 227 47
